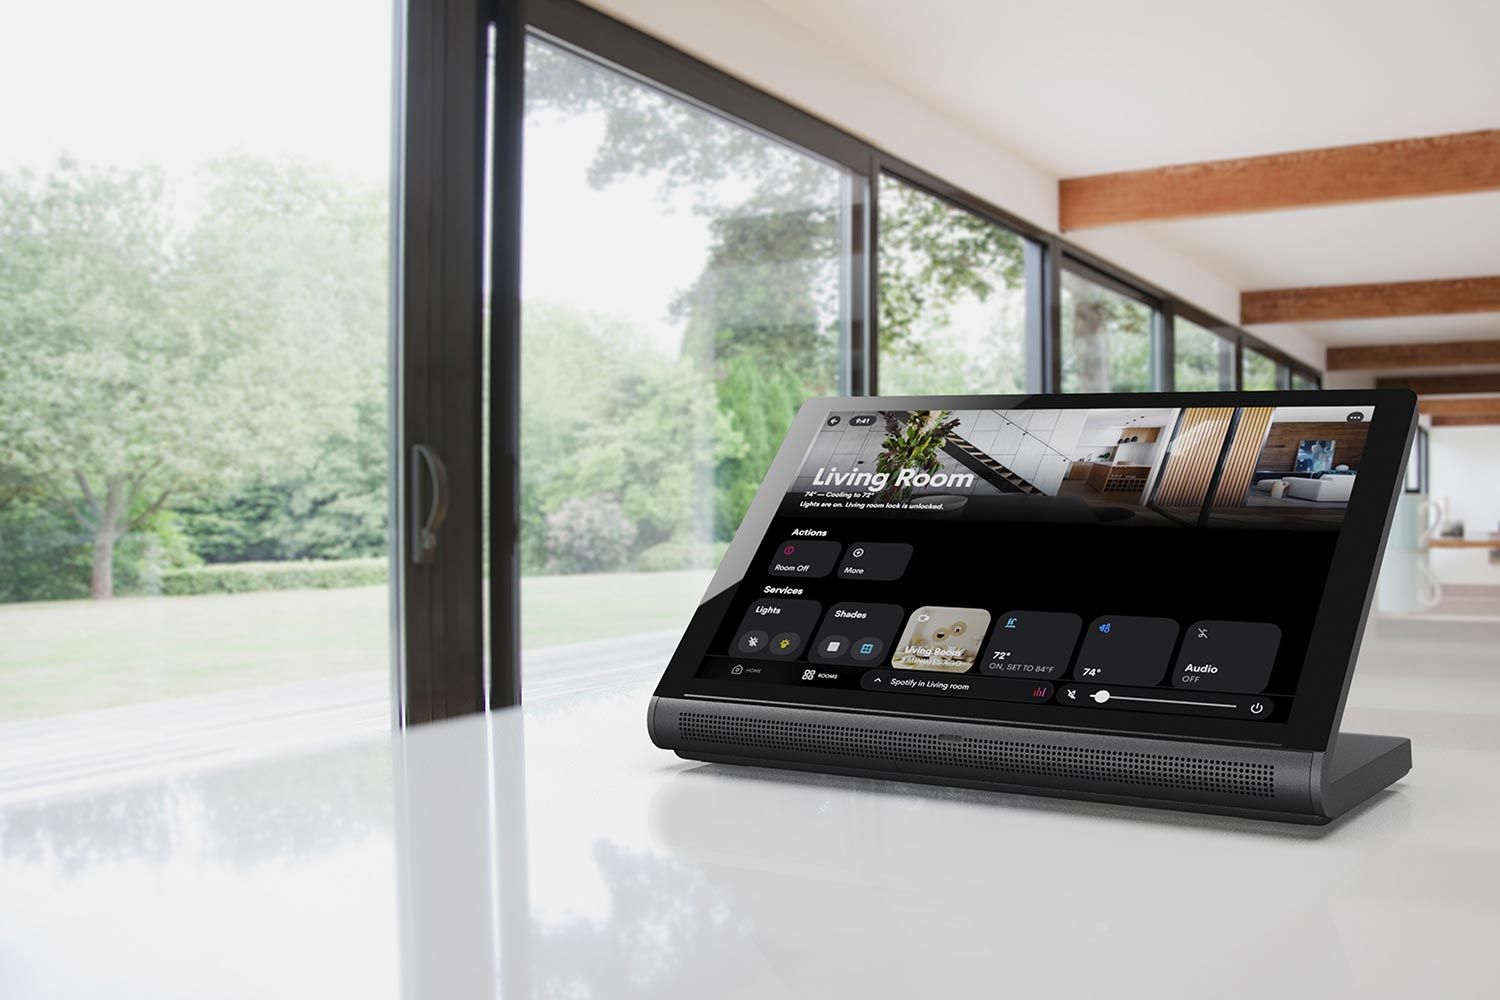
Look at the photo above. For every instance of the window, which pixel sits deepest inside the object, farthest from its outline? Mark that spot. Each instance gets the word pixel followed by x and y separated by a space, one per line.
pixel 220 393
pixel 1201 359
pixel 952 298
pixel 1258 371
pixel 683 292
pixel 1417 472
pixel 1303 381
pixel 1106 338
pixel 194 344
pixel 693 267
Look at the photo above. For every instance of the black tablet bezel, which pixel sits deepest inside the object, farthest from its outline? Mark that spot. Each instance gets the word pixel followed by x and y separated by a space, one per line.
pixel 1340 619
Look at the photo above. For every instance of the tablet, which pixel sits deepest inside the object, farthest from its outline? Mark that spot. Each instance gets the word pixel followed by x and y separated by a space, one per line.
pixel 1188 566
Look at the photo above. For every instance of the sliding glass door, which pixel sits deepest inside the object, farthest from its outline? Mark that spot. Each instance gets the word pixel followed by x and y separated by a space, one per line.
pixel 685 287
pixel 679 260
pixel 194 369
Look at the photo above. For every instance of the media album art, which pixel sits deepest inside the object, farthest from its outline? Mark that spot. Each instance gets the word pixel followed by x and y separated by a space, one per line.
pixel 942 639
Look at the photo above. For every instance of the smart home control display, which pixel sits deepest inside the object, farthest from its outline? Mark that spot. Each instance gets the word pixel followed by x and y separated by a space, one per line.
pixel 1110 568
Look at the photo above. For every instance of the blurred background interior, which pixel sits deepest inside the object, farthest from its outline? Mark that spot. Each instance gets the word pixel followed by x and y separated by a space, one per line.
pixel 241 274
pixel 196 359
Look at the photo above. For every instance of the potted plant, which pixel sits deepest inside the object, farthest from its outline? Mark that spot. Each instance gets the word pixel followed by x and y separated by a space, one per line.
pixel 913 444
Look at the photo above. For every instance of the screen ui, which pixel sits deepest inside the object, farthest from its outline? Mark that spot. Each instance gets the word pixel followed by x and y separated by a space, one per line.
pixel 1152 598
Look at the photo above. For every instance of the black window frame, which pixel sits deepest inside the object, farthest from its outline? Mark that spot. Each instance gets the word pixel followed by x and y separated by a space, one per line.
pixel 1420 461
pixel 1277 358
pixel 1035 243
pixel 1224 331
pixel 600 38
pixel 437 252
pixel 1099 272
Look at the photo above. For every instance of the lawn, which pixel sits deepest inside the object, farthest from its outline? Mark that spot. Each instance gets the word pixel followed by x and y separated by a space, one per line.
pixel 65 656
pixel 556 610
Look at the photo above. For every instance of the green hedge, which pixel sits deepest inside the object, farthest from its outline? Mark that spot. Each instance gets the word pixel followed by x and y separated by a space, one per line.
pixel 242 578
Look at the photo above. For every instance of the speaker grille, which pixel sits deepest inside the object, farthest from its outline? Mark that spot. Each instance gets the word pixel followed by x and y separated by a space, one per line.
pixel 994 757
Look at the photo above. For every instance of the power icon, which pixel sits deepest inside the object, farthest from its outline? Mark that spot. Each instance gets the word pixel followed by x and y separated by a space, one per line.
pixel 1257 708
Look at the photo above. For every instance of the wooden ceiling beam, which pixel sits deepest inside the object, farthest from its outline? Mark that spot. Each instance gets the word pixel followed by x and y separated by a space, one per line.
pixel 1461 163
pixel 1441 385
pixel 1450 354
pixel 1464 421
pixel 1373 301
pixel 1461 406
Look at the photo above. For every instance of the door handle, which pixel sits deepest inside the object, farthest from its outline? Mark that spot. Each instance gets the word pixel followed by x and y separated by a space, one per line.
pixel 424 530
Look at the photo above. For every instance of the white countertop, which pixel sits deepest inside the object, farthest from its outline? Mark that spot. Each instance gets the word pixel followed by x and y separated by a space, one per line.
pixel 555 852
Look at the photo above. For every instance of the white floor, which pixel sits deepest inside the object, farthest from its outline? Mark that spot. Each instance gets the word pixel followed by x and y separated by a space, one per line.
pixel 555 852
pixel 69 754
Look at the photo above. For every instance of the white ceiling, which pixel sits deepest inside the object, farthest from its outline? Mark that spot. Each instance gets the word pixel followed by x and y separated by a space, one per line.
pixel 1090 86
pixel 1450 237
pixel 1101 420
pixel 1087 86
pixel 1407 329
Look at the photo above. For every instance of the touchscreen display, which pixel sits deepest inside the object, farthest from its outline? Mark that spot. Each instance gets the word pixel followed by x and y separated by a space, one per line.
pixel 1135 562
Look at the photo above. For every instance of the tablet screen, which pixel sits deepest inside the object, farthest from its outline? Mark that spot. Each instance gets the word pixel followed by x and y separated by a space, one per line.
pixel 1148 568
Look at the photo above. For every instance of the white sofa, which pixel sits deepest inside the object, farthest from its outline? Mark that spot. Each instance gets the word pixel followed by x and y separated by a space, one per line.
pixel 1327 489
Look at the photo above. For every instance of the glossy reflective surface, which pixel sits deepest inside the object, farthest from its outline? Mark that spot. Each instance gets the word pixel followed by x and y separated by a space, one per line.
pixel 557 853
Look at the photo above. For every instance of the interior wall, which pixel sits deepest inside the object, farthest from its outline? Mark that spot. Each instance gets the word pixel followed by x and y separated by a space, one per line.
pixel 1464 468
pixel 1280 452
pixel 758 45
pixel 1195 451
pixel 1239 465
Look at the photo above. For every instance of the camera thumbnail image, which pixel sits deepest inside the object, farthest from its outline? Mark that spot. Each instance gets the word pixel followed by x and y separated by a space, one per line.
pixel 942 639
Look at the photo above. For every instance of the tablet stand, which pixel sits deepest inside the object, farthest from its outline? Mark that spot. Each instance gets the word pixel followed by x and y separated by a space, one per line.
pixel 1357 766
pixel 1287 785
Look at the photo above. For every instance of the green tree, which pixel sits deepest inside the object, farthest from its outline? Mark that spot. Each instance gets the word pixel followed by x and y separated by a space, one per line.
pixel 100 375
pixel 140 370
pixel 649 429
pixel 44 553
pixel 295 262
pixel 792 210
pixel 330 507
pixel 932 256
pixel 762 319
pixel 1106 339
pixel 912 445
pixel 1201 359
pixel 757 399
